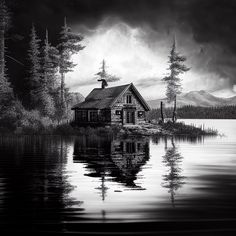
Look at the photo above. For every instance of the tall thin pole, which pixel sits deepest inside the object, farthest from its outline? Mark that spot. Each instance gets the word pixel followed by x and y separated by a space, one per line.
pixel 162 114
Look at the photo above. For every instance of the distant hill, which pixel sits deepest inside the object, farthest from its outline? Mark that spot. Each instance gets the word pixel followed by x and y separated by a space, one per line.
pixel 196 98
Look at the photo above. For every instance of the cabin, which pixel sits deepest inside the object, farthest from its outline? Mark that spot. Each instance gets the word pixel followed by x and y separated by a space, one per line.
pixel 120 105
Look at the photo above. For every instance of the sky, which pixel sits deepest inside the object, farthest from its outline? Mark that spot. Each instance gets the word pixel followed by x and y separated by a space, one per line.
pixel 135 38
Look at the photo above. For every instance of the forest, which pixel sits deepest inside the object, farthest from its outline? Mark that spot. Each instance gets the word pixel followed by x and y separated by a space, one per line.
pixel 46 101
pixel 196 112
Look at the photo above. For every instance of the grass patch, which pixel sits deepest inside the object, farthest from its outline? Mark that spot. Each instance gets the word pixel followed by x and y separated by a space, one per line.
pixel 180 128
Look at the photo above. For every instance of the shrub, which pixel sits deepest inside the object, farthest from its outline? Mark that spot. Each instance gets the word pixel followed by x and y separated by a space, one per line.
pixel 64 129
pixel 32 122
pixel 10 116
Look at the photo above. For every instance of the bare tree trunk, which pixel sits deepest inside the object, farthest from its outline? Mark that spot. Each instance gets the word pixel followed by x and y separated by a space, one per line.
pixel 62 88
pixel 63 105
pixel 174 117
pixel 63 100
pixel 162 114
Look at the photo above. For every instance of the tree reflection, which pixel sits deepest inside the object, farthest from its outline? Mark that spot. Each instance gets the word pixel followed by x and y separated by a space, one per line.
pixel 172 180
pixel 103 189
pixel 37 190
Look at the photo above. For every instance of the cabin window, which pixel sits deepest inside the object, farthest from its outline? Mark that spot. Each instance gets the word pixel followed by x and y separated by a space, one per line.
pixel 93 116
pixel 140 114
pixel 130 147
pixel 82 115
pixel 129 99
pixel 118 112
pixel 139 147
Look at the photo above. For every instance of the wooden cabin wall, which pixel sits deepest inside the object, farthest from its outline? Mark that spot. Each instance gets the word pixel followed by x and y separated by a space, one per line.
pixel 121 103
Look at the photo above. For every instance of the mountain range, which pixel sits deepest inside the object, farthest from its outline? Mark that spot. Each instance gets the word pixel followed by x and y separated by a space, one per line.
pixel 196 98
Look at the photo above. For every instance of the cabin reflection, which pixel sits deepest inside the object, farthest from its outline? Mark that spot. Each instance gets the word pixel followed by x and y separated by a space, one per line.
pixel 116 159
pixel 129 155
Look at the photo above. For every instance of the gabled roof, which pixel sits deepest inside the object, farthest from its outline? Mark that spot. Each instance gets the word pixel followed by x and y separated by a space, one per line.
pixel 105 98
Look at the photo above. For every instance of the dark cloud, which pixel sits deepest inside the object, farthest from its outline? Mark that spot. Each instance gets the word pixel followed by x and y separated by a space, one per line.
pixel 209 21
pixel 213 21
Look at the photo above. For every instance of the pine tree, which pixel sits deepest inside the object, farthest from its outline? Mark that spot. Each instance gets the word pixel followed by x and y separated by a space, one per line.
pixel 39 76
pixel 6 92
pixel 48 78
pixel 70 44
pixel 49 65
pixel 35 69
pixel 173 81
pixel 104 77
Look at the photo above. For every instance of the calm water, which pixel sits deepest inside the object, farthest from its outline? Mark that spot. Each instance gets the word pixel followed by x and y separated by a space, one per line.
pixel 56 184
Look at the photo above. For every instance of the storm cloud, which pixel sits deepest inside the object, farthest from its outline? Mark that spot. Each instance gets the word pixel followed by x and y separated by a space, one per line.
pixel 205 29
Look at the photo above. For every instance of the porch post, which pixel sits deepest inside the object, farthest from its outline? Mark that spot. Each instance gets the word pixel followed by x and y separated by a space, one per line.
pixel 123 116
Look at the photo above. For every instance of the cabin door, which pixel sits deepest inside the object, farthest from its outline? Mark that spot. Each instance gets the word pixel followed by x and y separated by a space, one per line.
pixel 130 117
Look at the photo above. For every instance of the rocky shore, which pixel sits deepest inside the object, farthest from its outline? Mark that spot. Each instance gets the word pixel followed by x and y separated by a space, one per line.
pixel 166 129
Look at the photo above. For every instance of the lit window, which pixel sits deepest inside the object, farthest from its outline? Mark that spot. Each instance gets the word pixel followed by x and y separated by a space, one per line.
pixel 140 114
pixel 118 112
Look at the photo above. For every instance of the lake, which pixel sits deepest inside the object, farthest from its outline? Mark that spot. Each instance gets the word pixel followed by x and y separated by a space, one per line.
pixel 64 184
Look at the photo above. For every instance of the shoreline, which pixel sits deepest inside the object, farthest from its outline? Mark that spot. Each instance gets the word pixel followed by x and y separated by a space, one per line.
pixel 147 129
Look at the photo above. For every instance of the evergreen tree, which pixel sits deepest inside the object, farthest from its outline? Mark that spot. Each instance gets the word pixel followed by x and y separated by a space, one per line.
pixel 70 43
pixel 173 81
pixel 6 92
pixel 39 76
pixel 48 79
pixel 35 69
pixel 49 65
pixel 104 77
